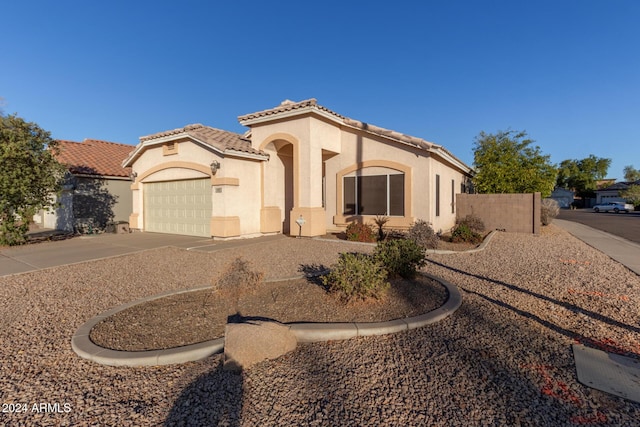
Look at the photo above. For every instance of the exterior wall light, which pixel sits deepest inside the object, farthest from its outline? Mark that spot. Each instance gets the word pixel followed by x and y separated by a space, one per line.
pixel 215 165
pixel 133 175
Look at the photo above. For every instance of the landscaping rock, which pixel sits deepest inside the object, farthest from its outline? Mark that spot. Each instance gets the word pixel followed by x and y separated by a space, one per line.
pixel 254 341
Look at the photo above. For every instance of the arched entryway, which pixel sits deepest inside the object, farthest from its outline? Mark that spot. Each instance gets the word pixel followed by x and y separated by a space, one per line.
pixel 278 189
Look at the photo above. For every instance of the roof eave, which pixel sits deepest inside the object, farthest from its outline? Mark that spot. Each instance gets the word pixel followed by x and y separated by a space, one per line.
pixel 245 155
pixel 440 151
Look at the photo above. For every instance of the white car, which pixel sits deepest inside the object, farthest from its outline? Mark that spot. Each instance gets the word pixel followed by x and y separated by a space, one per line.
pixel 613 206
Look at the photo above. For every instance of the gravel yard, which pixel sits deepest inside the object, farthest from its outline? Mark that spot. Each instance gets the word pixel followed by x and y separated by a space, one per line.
pixel 504 358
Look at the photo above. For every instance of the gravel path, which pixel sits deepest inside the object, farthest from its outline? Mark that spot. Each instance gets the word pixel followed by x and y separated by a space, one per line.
pixel 503 358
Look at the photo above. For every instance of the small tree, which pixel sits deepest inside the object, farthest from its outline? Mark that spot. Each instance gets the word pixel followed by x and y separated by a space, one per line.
pixel 506 163
pixel 29 175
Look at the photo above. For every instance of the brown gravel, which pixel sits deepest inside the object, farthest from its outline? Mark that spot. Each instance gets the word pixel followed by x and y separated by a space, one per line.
pixel 504 358
pixel 193 317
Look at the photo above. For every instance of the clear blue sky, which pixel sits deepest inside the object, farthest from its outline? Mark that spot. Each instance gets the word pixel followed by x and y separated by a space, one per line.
pixel 566 71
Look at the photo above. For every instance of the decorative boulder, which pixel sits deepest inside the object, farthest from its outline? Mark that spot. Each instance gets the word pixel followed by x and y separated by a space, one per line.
pixel 254 341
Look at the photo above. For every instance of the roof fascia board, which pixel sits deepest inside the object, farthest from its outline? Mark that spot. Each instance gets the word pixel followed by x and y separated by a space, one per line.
pixel 451 159
pixel 114 177
pixel 242 154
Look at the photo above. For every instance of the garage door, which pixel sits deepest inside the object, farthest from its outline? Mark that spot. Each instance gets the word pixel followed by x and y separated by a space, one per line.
pixel 178 207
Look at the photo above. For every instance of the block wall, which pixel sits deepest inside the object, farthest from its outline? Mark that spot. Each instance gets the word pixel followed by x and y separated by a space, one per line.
pixel 516 213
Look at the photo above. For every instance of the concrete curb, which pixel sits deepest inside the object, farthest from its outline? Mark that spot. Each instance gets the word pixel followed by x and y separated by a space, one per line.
pixel 304 332
pixel 314 332
pixel 480 247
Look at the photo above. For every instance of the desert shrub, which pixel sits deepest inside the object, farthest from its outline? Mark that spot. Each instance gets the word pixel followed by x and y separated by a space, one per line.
pixel 473 222
pixel 401 257
pixel 422 233
pixel 357 276
pixel 548 211
pixel 462 233
pixel 238 275
pixel 359 232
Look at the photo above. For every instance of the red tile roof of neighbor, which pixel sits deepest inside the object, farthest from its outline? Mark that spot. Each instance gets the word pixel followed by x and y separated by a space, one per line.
pixel 94 157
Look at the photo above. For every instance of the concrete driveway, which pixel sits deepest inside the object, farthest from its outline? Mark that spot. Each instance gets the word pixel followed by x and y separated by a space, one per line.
pixel 37 256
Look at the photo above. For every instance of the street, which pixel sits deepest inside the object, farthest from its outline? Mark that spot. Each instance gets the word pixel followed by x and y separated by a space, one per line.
pixel 622 225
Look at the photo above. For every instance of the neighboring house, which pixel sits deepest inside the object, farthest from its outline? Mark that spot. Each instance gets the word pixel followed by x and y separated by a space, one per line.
pixel 563 196
pixel 97 188
pixel 297 161
pixel 612 192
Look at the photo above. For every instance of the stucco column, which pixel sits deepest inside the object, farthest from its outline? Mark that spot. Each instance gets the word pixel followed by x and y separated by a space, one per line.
pixel 136 218
pixel 309 192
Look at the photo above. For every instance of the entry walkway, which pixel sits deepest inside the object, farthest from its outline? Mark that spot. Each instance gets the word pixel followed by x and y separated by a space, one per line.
pixel 624 251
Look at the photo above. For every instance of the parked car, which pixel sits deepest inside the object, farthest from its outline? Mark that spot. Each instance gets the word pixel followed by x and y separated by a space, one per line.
pixel 613 206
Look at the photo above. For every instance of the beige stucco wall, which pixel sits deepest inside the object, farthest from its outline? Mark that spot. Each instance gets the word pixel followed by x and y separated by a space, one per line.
pixel 236 193
pixel 306 139
pixel 446 220
pixel 311 140
pixel 361 148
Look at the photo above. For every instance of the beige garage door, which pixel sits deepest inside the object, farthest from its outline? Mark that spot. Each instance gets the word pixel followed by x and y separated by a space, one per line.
pixel 178 207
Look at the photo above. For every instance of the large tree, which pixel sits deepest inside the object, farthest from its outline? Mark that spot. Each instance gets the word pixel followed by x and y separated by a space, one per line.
pixel 507 163
pixel 29 175
pixel 631 174
pixel 632 194
pixel 581 176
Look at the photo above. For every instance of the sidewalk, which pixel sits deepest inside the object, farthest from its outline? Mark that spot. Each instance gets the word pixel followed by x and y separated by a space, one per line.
pixel 624 251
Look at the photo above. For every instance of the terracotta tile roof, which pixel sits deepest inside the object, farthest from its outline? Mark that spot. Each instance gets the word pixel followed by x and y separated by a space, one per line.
pixel 94 157
pixel 286 106
pixel 290 106
pixel 221 139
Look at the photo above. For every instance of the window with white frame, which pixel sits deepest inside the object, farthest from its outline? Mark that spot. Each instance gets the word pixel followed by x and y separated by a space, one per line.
pixel 380 194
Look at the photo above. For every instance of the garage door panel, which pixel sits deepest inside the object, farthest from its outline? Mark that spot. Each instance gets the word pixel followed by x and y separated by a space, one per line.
pixel 178 207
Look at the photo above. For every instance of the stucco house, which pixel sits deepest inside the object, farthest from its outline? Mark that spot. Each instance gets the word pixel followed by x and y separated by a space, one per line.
pixel 298 163
pixel 611 193
pixel 563 196
pixel 96 190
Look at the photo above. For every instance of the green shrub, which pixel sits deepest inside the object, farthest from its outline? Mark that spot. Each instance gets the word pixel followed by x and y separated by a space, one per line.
pixel 13 232
pixel 473 222
pixel 357 276
pixel 548 211
pixel 400 257
pixel 359 232
pixel 422 233
pixel 462 233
